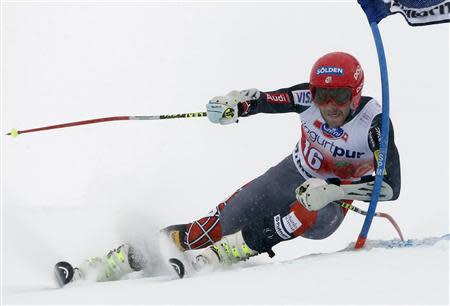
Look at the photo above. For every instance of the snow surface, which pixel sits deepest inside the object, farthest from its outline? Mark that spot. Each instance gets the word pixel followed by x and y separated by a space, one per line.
pixel 78 192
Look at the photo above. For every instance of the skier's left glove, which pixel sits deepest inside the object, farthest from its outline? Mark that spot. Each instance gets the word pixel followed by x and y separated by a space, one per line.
pixel 225 110
pixel 314 194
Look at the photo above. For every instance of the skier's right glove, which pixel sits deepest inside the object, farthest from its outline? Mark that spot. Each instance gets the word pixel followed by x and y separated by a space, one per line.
pixel 224 109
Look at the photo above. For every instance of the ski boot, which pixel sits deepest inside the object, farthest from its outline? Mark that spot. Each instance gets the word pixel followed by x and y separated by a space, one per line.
pixel 116 264
pixel 229 250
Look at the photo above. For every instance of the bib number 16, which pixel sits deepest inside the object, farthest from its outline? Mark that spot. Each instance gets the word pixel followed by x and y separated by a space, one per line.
pixel 313 157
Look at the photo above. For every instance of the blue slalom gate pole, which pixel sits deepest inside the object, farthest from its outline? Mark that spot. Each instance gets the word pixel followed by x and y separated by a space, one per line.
pixel 425 12
pixel 381 159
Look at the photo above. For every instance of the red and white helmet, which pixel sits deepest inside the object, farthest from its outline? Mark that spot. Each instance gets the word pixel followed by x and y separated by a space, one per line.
pixel 338 69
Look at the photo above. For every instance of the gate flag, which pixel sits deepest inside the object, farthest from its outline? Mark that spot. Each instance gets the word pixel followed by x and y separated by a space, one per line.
pixel 416 12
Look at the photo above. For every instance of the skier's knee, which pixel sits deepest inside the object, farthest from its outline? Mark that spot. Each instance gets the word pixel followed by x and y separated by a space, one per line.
pixel 328 220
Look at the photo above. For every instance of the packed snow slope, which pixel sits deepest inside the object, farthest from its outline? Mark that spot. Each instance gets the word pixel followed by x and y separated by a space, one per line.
pixel 377 276
pixel 73 193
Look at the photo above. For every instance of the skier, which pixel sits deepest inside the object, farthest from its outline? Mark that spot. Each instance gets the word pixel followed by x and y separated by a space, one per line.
pixel 333 162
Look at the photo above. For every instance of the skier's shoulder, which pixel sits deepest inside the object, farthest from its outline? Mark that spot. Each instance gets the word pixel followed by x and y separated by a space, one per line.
pixel 300 86
pixel 368 107
pixel 369 102
pixel 303 87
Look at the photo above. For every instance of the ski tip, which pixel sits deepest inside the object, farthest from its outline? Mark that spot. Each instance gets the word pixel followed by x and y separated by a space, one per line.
pixel 63 273
pixel 178 266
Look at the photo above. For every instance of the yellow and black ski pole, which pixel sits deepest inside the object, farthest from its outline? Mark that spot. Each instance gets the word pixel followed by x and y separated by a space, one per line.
pixel 15 132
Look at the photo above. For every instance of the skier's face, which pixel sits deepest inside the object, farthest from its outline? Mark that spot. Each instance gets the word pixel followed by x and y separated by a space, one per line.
pixel 334 104
pixel 334 114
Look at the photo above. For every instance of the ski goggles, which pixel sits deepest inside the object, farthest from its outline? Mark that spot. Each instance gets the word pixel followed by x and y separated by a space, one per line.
pixel 340 96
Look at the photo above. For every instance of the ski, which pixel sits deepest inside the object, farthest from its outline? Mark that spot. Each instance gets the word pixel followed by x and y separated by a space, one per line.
pixel 64 272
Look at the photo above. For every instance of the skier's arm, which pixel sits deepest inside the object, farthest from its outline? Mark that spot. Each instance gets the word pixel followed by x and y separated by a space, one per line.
pixel 390 188
pixel 392 176
pixel 285 100
pixel 226 109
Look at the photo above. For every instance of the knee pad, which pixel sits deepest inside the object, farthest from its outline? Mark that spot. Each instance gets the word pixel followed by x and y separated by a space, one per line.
pixel 197 234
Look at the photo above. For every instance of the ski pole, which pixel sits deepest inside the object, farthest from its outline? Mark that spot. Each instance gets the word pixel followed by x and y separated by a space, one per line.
pixel 377 214
pixel 15 132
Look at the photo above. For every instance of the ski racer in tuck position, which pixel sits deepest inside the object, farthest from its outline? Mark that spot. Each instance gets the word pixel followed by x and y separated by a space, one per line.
pixel 333 162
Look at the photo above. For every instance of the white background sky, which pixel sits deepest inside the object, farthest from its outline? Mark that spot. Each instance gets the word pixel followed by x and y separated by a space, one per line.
pixel 101 184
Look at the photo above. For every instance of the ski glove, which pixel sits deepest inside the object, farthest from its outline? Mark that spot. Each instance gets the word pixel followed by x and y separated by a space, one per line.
pixel 314 194
pixel 224 109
